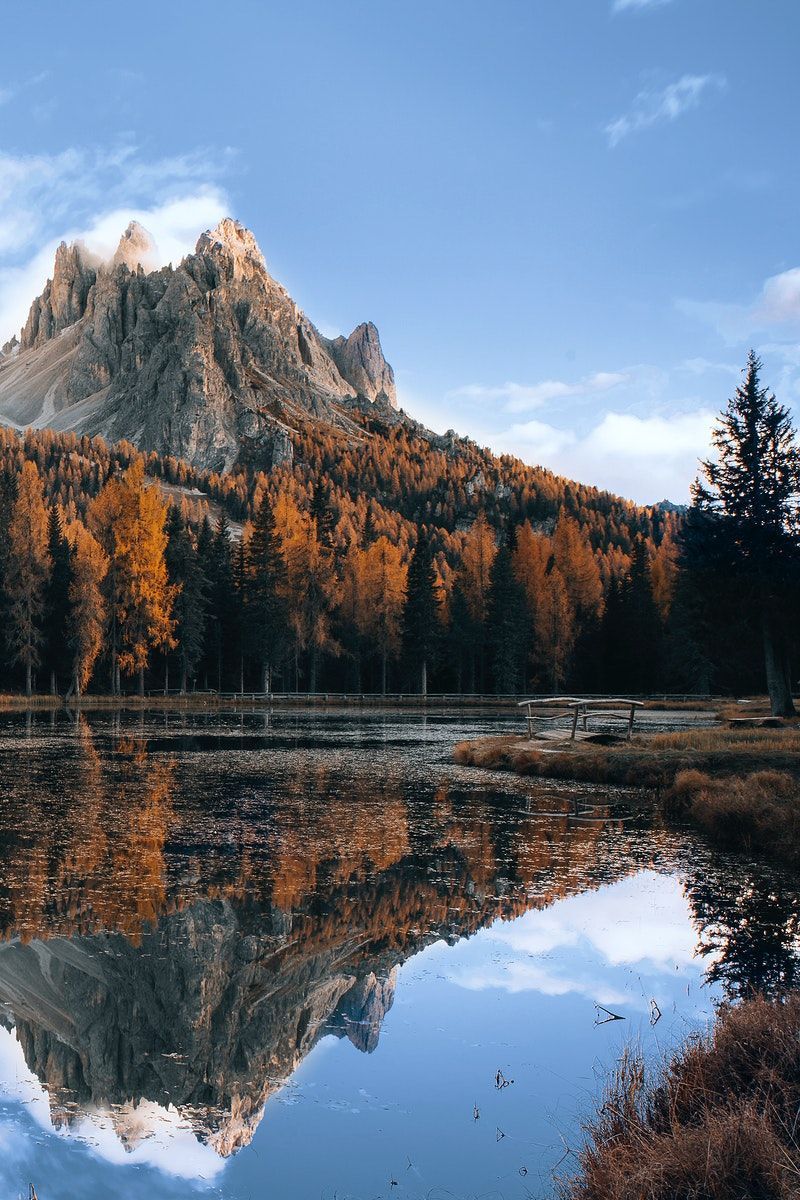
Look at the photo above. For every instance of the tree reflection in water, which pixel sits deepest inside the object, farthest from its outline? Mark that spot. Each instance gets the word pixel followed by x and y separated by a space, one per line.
pixel 183 927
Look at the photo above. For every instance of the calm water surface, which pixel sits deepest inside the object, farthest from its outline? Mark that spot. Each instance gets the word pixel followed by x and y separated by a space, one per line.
pixel 305 956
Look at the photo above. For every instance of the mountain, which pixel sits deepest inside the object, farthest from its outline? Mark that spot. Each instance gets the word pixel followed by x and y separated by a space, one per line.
pixel 205 361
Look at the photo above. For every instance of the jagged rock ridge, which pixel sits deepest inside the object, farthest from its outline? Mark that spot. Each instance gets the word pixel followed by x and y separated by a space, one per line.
pixel 207 361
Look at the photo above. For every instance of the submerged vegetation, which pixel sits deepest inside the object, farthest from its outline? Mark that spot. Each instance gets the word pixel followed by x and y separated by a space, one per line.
pixel 721 1124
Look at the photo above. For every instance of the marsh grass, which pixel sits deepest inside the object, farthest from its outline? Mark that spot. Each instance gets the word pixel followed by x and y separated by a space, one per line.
pixel 741 786
pixel 756 812
pixel 647 761
pixel 721 1123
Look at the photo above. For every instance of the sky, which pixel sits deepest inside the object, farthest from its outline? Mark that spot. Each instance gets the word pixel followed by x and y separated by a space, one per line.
pixel 569 219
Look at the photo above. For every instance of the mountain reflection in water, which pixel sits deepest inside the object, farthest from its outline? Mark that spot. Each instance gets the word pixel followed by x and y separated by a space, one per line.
pixel 187 913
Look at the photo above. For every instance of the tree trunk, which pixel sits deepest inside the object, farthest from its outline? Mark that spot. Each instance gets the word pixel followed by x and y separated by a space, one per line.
pixel 166 675
pixel 241 674
pixel 312 670
pixel 184 679
pixel 267 678
pixel 424 679
pixel 53 684
pixel 28 678
pixel 383 673
pixel 141 681
pixel 778 686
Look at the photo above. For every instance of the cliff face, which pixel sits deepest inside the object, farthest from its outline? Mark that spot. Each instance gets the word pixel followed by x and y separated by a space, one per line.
pixel 206 361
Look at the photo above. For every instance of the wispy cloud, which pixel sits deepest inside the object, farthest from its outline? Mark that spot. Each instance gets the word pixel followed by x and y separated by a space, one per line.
pixel 662 106
pixel 518 398
pixel 9 92
pixel 626 5
pixel 91 194
pixel 775 310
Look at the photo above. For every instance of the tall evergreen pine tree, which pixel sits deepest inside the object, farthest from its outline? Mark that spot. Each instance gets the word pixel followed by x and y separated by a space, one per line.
pixel 750 533
pixel 506 623
pixel 56 657
pixel 185 570
pixel 420 615
pixel 266 575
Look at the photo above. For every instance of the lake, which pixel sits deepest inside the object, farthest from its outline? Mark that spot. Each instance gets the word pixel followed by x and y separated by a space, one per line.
pixel 305 956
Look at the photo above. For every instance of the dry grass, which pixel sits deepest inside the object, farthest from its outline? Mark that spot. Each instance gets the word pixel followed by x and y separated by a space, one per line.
pixel 12 700
pixel 741 786
pixel 755 812
pixel 721 1124
pixel 652 762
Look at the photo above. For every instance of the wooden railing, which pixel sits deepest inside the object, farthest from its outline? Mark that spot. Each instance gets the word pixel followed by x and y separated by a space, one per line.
pixel 579 709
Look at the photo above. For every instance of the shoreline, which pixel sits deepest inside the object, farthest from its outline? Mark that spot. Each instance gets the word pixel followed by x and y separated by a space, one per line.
pixel 739 786
pixel 211 701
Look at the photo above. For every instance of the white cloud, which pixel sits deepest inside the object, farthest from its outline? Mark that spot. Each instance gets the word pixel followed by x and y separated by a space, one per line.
pixel 775 310
pixel 662 106
pixel 163 1137
pixel 92 195
pixel 645 446
pixel 524 397
pixel 594 944
pixel 644 458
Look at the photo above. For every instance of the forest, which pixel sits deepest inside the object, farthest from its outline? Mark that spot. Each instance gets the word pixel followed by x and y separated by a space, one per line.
pixel 383 563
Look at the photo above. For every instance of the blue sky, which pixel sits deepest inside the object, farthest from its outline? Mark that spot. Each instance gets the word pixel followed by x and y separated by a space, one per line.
pixel 568 218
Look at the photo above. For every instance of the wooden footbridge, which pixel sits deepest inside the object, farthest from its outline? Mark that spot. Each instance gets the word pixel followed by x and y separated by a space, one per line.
pixel 569 717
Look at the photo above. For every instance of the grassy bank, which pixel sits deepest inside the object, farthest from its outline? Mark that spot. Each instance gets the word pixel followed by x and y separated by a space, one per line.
pixel 648 761
pixel 742 786
pixel 720 1124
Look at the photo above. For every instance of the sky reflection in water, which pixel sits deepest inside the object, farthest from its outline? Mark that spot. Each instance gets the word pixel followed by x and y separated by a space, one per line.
pixel 290 961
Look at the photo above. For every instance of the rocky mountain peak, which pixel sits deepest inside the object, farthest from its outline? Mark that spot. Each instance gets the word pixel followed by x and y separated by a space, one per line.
pixel 136 249
pixel 237 243
pixel 209 361
pixel 63 301
pixel 360 359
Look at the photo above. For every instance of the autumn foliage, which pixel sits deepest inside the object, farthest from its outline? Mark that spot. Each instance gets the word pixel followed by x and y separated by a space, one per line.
pixel 298 579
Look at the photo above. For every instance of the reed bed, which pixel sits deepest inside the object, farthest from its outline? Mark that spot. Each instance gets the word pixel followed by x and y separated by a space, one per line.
pixel 720 1123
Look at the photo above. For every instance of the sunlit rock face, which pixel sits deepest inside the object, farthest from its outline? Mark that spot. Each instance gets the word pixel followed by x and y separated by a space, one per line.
pixel 210 361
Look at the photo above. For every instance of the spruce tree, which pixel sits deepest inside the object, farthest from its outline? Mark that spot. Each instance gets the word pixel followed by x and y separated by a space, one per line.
pixel 186 573
pixel 748 540
pixel 324 515
pixel 28 570
pixel 240 609
pixel 506 623
pixel 420 613
pixel 56 657
pixel 219 571
pixel 643 625
pixel 266 587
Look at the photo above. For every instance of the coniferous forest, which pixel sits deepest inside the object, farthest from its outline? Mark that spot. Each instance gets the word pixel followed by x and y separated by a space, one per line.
pixel 390 563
